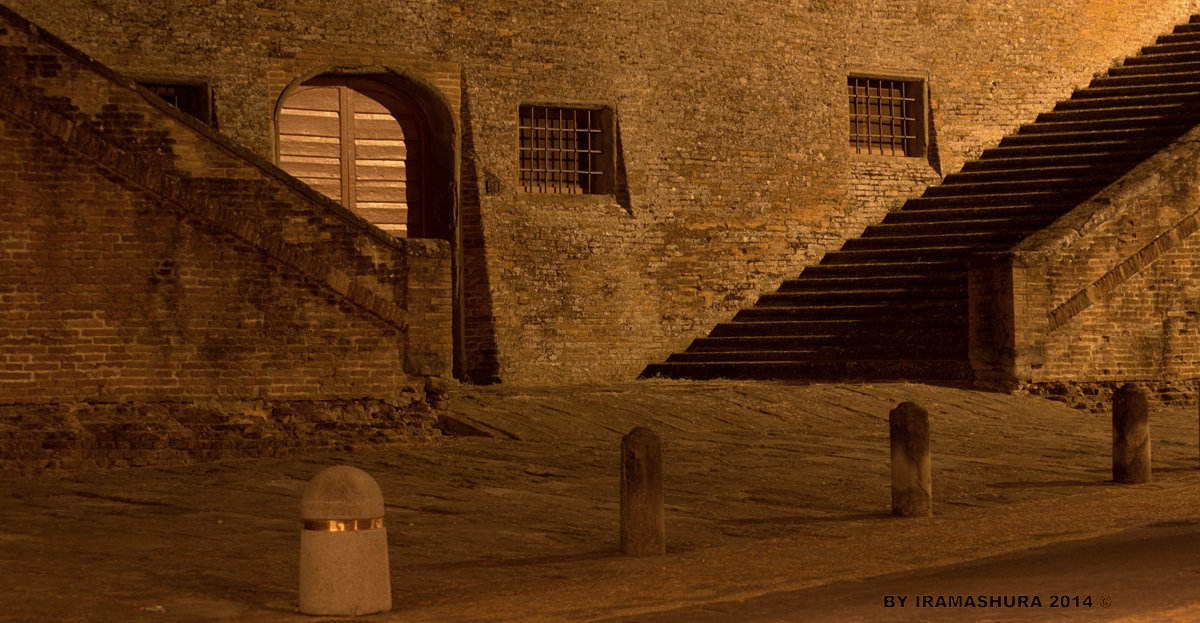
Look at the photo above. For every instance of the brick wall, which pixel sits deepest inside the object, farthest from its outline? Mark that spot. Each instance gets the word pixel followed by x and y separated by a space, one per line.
pixel 1109 292
pixel 731 118
pixel 146 261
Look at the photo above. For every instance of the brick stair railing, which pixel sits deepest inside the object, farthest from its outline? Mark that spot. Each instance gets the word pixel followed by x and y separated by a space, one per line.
pixel 149 176
pixel 892 303
pixel 283 237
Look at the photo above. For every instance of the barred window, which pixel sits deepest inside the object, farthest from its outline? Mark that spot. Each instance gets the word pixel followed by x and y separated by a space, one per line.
pixel 565 150
pixel 887 116
pixel 192 99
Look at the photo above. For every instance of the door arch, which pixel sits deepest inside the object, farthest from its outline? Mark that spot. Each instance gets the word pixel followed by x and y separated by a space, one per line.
pixel 366 145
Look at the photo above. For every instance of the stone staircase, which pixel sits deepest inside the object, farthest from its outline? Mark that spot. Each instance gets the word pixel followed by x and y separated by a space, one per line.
pixel 892 303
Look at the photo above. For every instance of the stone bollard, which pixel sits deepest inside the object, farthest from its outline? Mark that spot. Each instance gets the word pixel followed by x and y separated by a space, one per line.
pixel 912 492
pixel 1131 435
pixel 643 527
pixel 343 546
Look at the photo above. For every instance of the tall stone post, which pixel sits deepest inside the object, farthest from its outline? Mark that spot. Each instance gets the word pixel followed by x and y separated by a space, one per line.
pixel 912 491
pixel 343 545
pixel 1131 435
pixel 643 526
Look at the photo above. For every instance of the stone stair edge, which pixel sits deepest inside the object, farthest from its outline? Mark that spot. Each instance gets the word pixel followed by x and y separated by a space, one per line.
pixel 1019 186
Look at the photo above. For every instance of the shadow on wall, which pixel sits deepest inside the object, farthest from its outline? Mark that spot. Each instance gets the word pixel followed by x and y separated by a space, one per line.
pixel 478 361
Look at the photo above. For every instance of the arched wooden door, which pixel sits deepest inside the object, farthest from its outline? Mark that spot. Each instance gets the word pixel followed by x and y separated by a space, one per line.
pixel 363 144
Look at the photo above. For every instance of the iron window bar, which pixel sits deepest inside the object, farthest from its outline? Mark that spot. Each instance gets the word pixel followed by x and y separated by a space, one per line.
pixel 882 116
pixel 560 150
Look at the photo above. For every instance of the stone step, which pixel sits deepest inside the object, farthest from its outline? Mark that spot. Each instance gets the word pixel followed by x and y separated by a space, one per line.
pixel 880 269
pixel 1021 223
pixel 874 312
pixel 956 188
pixel 877 311
pixel 1144 77
pixel 950 341
pixel 938 350
pixel 1112 105
pixel 1116 93
pixel 1171 48
pixel 1046 212
pixel 1190 27
pixel 1049 142
pixel 1083 112
pixel 855 303
pixel 794 354
pixel 1135 123
pixel 1096 170
pixel 823 370
pixel 1144 69
pixel 982 239
pixel 935 323
pixel 924 254
pixel 997 199
pixel 1177 38
pixel 815 283
pixel 1041 146
pixel 1112 159
pixel 1160 57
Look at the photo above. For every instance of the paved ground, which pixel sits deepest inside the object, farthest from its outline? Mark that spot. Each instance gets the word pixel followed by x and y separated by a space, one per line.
pixel 771 489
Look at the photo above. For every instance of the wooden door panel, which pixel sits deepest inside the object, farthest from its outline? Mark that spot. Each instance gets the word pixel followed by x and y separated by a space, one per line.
pixel 331 188
pixel 359 143
pixel 310 139
pixel 390 191
pixel 378 128
pixel 310 166
pixel 384 212
pixel 310 146
pixel 380 149
pixel 380 171
pixel 309 123
pixel 315 97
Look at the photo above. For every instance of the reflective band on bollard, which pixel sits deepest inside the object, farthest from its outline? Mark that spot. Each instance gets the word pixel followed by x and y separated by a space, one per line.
pixel 343 525
pixel 343 545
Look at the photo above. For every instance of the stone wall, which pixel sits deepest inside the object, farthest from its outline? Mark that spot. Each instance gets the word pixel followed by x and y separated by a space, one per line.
pixel 145 260
pixel 1108 293
pixel 731 121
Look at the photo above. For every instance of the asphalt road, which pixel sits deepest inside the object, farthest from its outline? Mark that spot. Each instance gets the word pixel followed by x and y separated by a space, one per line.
pixel 1145 574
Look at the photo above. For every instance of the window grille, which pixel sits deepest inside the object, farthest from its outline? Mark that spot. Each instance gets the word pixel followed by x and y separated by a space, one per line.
pixel 562 150
pixel 884 116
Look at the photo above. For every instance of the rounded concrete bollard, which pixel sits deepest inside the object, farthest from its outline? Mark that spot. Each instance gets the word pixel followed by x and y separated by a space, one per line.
pixel 912 491
pixel 1131 435
pixel 643 527
pixel 343 545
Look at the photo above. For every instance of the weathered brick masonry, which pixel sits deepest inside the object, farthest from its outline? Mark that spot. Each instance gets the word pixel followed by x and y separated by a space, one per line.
pixel 1109 293
pixel 154 276
pixel 730 116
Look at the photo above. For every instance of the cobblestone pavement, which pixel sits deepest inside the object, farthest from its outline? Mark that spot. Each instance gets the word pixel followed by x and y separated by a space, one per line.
pixel 769 487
